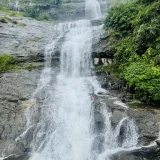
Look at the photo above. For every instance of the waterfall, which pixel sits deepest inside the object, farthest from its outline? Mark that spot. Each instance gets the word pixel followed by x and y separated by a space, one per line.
pixel 93 10
pixel 30 3
pixel 17 6
pixel 66 127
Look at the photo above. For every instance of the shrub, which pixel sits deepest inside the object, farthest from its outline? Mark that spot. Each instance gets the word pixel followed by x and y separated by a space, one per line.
pixel 145 78
pixel 135 38
pixel 43 16
pixel 7 62
pixel 31 11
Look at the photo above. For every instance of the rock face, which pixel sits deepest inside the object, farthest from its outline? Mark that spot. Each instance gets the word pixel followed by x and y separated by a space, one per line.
pixel 146 120
pixel 147 124
pixel 16 87
pixel 102 48
pixel 25 38
pixel 74 10
pixel 144 153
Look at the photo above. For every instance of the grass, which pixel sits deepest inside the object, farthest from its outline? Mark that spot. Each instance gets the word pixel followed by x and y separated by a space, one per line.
pixel 22 24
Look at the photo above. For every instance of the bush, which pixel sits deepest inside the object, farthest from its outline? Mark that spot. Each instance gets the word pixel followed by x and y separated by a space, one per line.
pixel 146 80
pixel 120 17
pixel 43 16
pixel 7 62
pixel 31 11
pixel 135 38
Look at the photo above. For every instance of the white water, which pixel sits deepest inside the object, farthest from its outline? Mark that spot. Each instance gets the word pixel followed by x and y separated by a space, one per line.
pixel 17 6
pixel 65 131
pixel 93 10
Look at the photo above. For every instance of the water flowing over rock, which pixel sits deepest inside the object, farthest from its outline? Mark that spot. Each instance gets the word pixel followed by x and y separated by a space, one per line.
pixel 71 125
pixel 93 10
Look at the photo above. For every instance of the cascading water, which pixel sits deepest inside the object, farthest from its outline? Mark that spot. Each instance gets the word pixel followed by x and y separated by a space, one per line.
pixel 66 127
pixel 17 6
pixel 93 10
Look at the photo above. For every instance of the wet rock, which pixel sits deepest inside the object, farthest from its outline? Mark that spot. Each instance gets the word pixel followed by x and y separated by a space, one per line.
pixel 25 42
pixel 158 142
pixel 116 117
pixel 99 122
pixel 15 88
pixel 74 10
pixel 146 121
pixel 15 157
pixel 144 153
pixel 126 98
pixel 102 48
pixel 97 22
pixel 98 144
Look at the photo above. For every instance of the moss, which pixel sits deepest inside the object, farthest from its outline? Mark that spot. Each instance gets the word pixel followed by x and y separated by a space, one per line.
pixel 22 24
pixel 7 20
pixel 3 20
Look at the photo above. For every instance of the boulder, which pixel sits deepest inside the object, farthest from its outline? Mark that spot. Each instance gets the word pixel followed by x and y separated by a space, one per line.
pixel 102 48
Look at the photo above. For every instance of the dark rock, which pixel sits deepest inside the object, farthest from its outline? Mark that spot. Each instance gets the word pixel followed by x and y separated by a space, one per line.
pixel 15 157
pixel 112 83
pixel 117 115
pixel 144 153
pixel 158 142
pixel 98 144
pixel 146 121
pixel 97 22
pixel 102 48
pixel 99 124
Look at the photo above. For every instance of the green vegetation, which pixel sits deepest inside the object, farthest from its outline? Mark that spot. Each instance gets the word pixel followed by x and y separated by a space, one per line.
pixel 6 10
pixel 34 12
pixel 22 24
pixel 7 20
pixel 135 37
pixel 56 2
pixel 9 62
pixel 38 11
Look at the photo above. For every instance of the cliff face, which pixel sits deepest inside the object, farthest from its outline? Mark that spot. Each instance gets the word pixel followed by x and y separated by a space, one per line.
pixel 74 10
pixel 26 41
